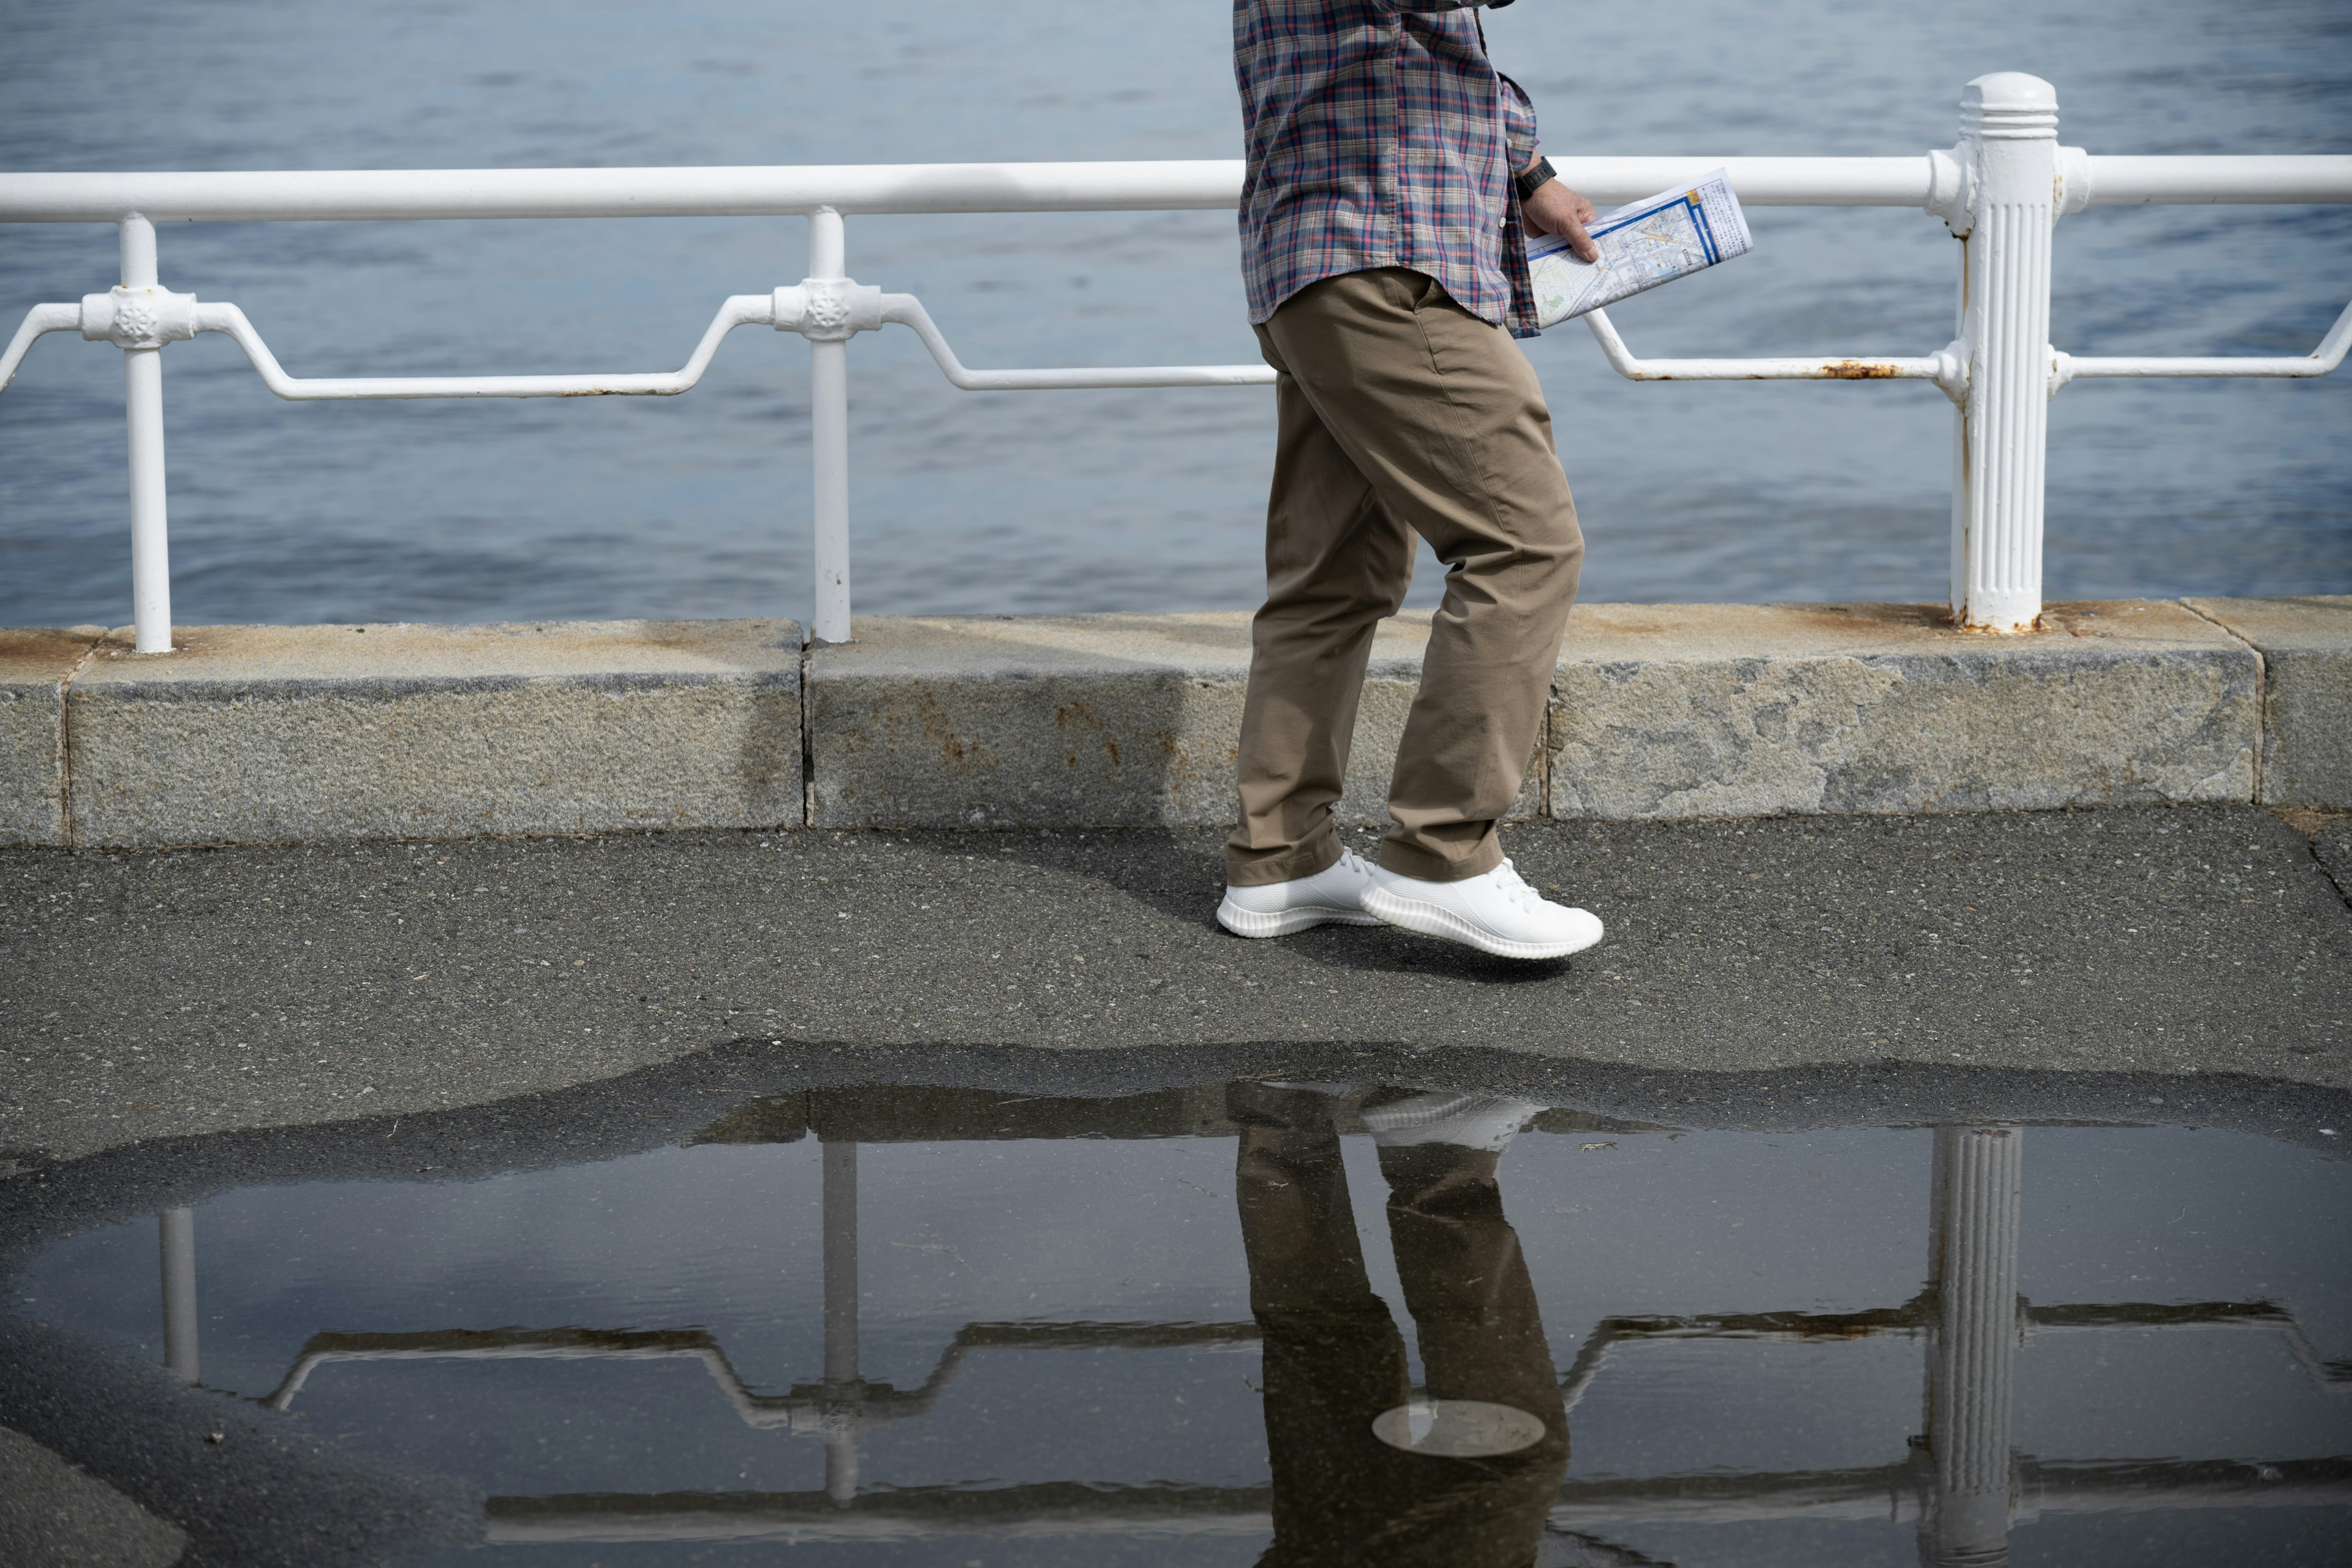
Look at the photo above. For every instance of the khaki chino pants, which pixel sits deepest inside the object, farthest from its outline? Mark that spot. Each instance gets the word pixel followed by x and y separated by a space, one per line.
pixel 1401 413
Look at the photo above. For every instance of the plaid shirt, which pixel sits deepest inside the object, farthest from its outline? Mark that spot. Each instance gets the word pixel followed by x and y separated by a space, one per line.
pixel 1379 135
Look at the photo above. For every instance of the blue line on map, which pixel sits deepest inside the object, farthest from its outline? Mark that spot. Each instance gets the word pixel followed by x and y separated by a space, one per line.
pixel 1706 231
pixel 1698 221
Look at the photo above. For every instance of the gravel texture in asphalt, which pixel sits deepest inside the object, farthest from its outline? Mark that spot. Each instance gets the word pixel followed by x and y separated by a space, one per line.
pixel 157 994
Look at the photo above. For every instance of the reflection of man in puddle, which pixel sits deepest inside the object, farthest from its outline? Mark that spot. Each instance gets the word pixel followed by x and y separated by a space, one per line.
pixel 1335 1361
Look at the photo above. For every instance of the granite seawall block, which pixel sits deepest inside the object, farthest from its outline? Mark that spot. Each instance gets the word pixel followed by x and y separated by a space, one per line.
pixel 35 667
pixel 2307 648
pixel 1692 711
pixel 249 734
pixel 1047 720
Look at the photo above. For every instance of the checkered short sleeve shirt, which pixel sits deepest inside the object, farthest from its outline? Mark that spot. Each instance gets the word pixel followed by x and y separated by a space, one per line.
pixel 1379 135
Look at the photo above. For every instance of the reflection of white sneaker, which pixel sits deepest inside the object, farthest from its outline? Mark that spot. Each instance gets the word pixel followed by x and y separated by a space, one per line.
pixel 1496 913
pixel 1485 1121
pixel 1334 895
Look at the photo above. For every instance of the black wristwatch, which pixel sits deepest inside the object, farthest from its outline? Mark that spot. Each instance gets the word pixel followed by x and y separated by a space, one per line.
pixel 1534 178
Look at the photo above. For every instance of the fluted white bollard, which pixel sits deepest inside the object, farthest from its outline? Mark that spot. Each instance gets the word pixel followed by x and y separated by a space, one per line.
pixel 1978 1178
pixel 843 1387
pixel 177 1230
pixel 142 390
pixel 829 431
pixel 2009 132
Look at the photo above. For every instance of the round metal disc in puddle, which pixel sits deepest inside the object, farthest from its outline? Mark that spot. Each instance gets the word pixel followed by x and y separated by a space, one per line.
pixel 1457 1429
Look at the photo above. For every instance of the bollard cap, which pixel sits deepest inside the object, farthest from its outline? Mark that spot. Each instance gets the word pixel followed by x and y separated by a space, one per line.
pixel 2008 105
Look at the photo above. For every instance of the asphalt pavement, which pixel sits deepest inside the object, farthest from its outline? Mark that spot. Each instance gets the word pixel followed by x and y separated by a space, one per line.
pixel 159 995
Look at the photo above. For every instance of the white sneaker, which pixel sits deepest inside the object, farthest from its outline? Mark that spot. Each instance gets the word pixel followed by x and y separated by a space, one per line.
pixel 1332 896
pixel 1485 1121
pixel 1496 913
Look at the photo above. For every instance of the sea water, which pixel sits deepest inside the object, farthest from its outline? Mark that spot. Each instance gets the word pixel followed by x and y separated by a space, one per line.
pixel 698 506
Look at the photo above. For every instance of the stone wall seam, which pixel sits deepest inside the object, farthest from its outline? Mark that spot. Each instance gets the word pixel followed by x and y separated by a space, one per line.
pixel 1546 740
pixel 808 740
pixel 68 828
pixel 2262 692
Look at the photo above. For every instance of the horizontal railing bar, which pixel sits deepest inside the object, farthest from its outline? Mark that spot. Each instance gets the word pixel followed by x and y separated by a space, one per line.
pixel 2321 361
pixel 2078 367
pixel 738 310
pixel 908 310
pixel 1948 369
pixel 751 191
pixel 742 309
pixel 1031 187
pixel 2288 178
pixel 745 192
pixel 1761 181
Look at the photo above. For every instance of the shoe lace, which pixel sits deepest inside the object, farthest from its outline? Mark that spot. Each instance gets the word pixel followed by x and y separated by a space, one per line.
pixel 1353 864
pixel 1514 887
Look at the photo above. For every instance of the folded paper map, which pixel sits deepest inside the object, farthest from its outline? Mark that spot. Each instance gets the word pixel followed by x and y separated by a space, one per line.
pixel 1642 246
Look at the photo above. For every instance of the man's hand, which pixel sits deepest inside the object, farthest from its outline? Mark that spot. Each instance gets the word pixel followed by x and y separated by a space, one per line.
pixel 1556 209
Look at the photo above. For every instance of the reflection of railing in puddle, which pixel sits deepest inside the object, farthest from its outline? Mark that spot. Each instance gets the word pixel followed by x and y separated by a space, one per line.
pixel 1049 1508
pixel 1915 1318
pixel 800 1409
pixel 1964 1484
pixel 1902 1493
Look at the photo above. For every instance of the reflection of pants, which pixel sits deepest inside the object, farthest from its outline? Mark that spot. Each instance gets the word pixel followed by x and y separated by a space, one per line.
pixel 1334 1359
pixel 1401 413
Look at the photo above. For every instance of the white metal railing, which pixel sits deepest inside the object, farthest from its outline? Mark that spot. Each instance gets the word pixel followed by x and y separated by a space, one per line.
pixel 2001 189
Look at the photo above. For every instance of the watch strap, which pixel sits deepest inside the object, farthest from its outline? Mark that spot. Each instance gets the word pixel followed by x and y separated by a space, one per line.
pixel 1534 178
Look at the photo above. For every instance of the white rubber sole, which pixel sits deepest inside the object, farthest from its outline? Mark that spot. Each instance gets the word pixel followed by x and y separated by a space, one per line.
pixel 1282 923
pixel 1435 920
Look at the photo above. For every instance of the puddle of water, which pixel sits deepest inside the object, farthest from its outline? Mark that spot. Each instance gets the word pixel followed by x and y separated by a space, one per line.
pixel 1332 1323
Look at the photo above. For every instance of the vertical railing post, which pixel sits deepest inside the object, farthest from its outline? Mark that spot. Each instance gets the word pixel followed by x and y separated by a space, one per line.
pixel 143 371
pixel 829 436
pixel 2008 124
pixel 845 1388
pixel 176 1231
pixel 1972 1366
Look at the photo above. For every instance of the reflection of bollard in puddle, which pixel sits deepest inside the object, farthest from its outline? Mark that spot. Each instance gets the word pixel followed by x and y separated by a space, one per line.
pixel 845 1411
pixel 1972 1260
pixel 176 1231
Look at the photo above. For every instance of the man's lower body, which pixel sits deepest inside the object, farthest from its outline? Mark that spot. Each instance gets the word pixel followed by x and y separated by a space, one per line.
pixel 1403 414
